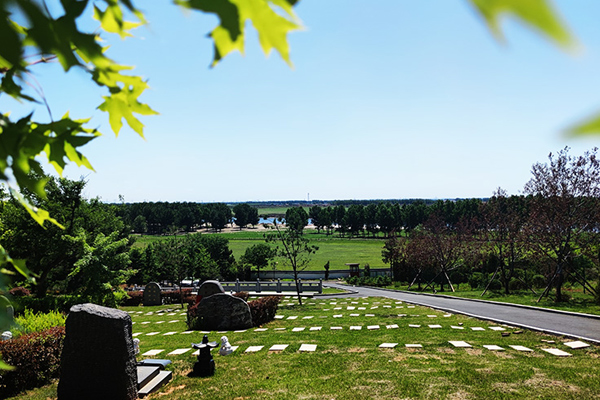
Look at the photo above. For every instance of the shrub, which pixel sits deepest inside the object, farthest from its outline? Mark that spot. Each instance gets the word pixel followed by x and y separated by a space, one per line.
pixel 378 281
pixel 19 291
pixel 539 281
pixel 242 295
pixel 31 322
pixel 62 303
pixel 134 298
pixel 36 358
pixel 263 310
pixel 172 296
pixel 476 280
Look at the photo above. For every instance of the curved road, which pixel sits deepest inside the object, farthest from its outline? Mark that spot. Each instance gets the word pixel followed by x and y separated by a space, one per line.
pixel 576 325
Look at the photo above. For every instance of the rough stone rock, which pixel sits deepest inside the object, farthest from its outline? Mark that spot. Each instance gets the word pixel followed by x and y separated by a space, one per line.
pixel 98 358
pixel 224 312
pixel 208 288
pixel 152 295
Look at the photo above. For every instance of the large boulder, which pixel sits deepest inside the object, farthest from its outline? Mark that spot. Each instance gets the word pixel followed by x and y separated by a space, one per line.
pixel 223 312
pixel 98 358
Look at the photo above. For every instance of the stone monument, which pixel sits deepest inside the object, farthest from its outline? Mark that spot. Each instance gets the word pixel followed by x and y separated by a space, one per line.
pixel 208 288
pixel 98 359
pixel 152 295
pixel 223 312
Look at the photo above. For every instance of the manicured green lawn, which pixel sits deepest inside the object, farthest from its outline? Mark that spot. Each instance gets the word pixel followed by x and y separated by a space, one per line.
pixel 348 364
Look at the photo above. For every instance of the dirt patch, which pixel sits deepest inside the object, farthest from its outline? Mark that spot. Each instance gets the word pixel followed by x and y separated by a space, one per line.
pixel 460 395
pixel 446 350
pixel 356 350
pixel 474 352
pixel 170 390
pixel 400 358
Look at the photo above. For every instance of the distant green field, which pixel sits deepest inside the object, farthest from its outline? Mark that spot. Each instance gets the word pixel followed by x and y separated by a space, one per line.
pixel 275 210
pixel 338 251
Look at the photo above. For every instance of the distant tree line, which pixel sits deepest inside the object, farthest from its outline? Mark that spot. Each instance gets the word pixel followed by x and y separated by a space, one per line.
pixel 158 218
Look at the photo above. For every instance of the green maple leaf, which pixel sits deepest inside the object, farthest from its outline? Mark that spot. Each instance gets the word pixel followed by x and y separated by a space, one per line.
pixel 272 27
pixel 536 13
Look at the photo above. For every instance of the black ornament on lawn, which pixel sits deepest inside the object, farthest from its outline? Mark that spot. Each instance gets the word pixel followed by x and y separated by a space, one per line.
pixel 205 366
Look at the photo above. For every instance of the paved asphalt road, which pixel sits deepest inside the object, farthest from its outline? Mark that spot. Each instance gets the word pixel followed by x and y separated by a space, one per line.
pixel 575 325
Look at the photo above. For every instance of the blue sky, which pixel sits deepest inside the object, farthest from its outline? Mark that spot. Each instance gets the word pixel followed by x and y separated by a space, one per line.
pixel 387 99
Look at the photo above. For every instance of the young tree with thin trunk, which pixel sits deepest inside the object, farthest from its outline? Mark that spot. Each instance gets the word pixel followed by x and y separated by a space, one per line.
pixel 565 213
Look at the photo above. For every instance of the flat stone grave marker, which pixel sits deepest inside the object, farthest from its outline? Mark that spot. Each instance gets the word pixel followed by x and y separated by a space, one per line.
pixel 372 327
pixel 362 308
pixel 279 329
pixel 374 307
pixel 413 346
pixel 308 347
pixel 402 315
pixel 459 343
pixel 410 306
pixel 287 297
pixel 435 326
pixel 388 345
pixel 557 352
pixel 326 309
pixel 377 302
pixel 133 323
pixel 576 345
pixel 457 327
pixel 520 348
pixel 169 333
pixel 175 320
pixel 149 313
pixel 253 349
pixel 315 328
pixel 344 302
pixel 322 316
pixel 336 328
pixel 293 317
pixel 338 316
pixel 279 317
pixel 366 304
pixel 432 316
pixel 141 312
pixel 354 302
pixel 145 322
pixel 355 315
pixel 300 329
pixel 393 326
pixel 261 329
pixel 160 314
pixel 152 333
pixel 369 315
pixel 183 314
pixel 136 334
pixel 477 328
pixel 278 347
pixel 187 332
pixel 398 302
pixel 337 308
pixel 178 352
pixel 399 306
pixel 240 330
pixel 308 317
pixel 493 347
pixel 497 328
pixel 159 322
pixel 152 353
pixel 333 302
pixel 447 315
pixel 350 308
pixel 356 328
pixel 387 306
pixel 414 326
pixel 171 314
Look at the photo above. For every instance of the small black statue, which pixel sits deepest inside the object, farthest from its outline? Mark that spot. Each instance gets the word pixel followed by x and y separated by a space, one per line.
pixel 205 366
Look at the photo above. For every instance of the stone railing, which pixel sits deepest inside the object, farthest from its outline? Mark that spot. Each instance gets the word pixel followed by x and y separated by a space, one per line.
pixel 273 286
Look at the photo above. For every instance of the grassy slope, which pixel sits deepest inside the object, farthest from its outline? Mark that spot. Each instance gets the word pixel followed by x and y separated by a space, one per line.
pixel 349 365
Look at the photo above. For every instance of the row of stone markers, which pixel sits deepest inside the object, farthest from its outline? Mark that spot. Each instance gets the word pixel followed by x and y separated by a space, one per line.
pixel 456 343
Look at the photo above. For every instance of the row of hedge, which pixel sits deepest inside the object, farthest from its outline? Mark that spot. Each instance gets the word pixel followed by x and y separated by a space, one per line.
pixel 35 358
pixel 378 281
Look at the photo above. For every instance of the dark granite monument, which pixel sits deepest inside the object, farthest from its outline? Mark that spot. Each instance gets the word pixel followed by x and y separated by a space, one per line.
pixel 98 360
pixel 223 312
pixel 208 288
pixel 152 295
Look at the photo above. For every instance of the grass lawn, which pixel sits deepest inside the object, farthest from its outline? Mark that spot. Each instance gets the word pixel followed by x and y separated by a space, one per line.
pixel 348 364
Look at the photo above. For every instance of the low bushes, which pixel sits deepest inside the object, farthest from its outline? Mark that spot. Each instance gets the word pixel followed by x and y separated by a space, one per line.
pixel 242 295
pixel 134 298
pixel 173 297
pixel 263 310
pixel 19 291
pixel 48 303
pixel 30 322
pixel 377 281
pixel 35 358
